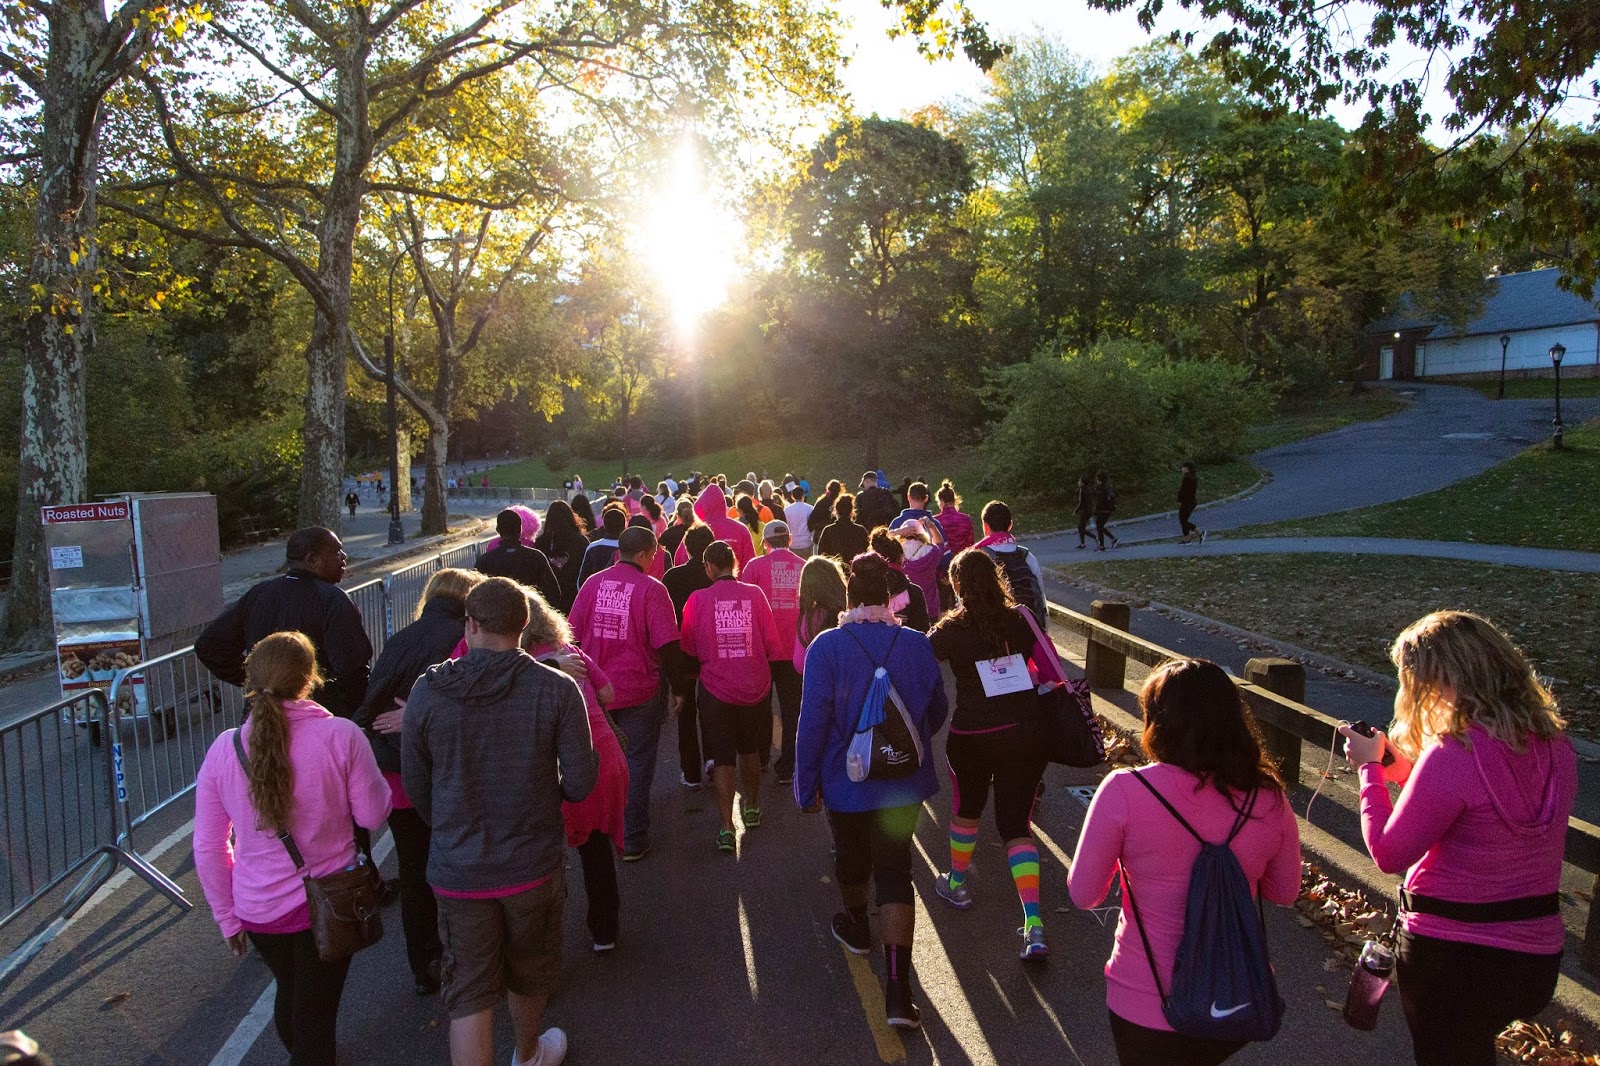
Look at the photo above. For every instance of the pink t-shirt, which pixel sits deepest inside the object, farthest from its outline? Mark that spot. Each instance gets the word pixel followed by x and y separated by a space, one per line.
pixel 621 617
pixel 728 627
pixel 1476 825
pixel 777 575
pixel 1126 822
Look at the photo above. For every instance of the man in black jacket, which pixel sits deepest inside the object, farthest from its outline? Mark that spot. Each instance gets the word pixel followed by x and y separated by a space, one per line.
pixel 522 564
pixel 874 506
pixel 307 600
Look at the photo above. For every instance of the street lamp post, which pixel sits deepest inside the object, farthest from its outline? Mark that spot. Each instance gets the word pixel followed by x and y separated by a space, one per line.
pixel 397 532
pixel 1558 351
pixel 1505 341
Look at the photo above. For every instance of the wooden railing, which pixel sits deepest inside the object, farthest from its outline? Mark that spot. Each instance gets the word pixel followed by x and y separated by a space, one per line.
pixel 1284 724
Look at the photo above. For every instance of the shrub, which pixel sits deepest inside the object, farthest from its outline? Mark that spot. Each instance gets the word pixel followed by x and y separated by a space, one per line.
pixel 1068 415
pixel 1207 406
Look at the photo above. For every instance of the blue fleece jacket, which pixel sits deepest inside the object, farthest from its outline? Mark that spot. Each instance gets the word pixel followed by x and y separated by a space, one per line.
pixel 837 675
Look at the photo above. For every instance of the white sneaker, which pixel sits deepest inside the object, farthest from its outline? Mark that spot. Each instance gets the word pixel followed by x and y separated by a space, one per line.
pixel 552 1049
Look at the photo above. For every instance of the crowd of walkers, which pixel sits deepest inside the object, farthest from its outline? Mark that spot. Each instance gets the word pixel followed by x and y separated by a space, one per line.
pixel 521 711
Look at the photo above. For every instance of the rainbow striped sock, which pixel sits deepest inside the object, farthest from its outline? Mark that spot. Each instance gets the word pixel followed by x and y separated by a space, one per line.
pixel 1025 872
pixel 962 841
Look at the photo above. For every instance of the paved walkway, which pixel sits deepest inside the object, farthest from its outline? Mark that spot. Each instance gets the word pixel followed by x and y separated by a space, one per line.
pixel 1500 554
pixel 1446 435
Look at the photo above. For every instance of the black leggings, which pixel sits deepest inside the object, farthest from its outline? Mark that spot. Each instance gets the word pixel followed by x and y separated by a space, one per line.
pixel 689 760
pixel 1184 514
pixel 1457 997
pixel 1083 526
pixel 876 846
pixel 1102 529
pixel 419 910
pixel 598 855
pixel 1139 1046
pixel 305 1009
pixel 1004 761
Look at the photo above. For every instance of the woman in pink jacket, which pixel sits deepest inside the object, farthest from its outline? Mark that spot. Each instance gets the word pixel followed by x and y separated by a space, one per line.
pixel 594 824
pixel 1479 829
pixel 310 775
pixel 1207 760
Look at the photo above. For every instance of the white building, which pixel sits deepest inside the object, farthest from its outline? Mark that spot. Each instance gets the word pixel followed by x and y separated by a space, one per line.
pixel 1523 316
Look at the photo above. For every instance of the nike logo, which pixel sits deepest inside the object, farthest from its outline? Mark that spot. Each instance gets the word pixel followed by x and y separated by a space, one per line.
pixel 1215 1013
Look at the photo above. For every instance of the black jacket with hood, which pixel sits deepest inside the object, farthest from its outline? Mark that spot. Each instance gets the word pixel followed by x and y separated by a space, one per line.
pixel 406 656
pixel 493 743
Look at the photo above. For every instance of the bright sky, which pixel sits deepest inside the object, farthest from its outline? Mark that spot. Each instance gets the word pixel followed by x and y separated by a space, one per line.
pixel 889 76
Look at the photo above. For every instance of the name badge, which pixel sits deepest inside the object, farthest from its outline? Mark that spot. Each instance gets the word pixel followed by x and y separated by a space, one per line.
pixel 1005 675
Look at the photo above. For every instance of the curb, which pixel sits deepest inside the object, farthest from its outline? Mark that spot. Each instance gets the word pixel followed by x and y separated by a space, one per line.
pixel 1261 483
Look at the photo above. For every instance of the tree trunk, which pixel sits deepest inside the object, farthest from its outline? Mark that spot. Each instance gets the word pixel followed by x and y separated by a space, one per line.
pixel 53 460
pixel 322 476
pixel 435 507
pixel 402 449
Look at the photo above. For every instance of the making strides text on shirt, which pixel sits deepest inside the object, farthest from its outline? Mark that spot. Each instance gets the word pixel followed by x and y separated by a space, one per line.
pixel 612 604
pixel 735 625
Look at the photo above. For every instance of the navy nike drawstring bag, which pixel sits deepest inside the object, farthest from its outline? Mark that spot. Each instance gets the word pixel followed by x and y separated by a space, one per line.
pixel 1223 987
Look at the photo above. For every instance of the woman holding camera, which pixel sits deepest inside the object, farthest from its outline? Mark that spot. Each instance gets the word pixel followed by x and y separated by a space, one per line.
pixel 1479 829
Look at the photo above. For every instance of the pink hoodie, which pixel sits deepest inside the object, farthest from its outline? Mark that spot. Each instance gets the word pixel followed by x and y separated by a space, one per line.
pixel 336 779
pixel 1476 824
pixel 711 506
pixel 1126 823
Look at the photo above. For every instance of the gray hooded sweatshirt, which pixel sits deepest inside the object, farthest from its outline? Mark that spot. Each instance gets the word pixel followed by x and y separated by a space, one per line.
pixel 492 743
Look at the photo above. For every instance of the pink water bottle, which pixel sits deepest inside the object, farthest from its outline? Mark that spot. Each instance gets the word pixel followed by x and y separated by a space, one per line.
pixel 1368 984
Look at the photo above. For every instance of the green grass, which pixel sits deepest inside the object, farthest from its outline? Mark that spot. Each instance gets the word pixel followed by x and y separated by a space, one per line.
pixel 1351 607
pixel 1298 418
pixel 1539 388
pixel 1541 498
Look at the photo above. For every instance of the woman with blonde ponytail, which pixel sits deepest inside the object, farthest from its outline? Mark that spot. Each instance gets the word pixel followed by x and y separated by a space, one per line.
pixel 1479 830
pixel 309 775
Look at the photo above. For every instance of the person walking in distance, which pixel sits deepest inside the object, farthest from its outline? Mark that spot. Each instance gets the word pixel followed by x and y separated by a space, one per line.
pixel 623 620
pixel 351 502
pixel 711 507
pixel 875 505
pixel 440 623
pixel 844 539
pixel 797 516
pixel 822 515
pixel 564 545
pixel 728 628
pixel 1105 504
pixel 992 746
pixel 522 563
pixel 1209 779
pixel 873 820
pixel 479 729
pixel 682 581
pixel 1188 490
pixel 306 600
pixel 1487 780
pixel 594 823
pixel 777 574
pixel 1084 510
pixel 292 769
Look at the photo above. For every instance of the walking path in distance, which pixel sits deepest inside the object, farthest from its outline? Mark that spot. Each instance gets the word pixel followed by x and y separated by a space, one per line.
pixel 1448 434
pixel 1499 554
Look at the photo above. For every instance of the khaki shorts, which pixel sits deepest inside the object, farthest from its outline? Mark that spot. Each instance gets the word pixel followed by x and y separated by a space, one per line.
pixel 492 946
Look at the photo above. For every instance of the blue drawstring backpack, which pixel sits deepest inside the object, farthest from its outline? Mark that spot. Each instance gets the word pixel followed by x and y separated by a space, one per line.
pixel 887 744
pixel 1223 987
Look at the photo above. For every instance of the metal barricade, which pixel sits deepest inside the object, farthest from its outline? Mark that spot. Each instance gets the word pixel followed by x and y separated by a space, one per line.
pixel 160 749
pixel 465 557
pixel 58 802
pixel 404 591
pixel 370 600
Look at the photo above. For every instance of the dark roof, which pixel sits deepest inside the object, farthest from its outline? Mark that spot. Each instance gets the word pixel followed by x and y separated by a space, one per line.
pixel 1516 302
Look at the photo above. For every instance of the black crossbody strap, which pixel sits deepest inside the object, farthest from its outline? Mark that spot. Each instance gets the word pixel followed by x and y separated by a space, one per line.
pixel 288 841
pixel 887 653
pixel 1170 808
pixel 1133 910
